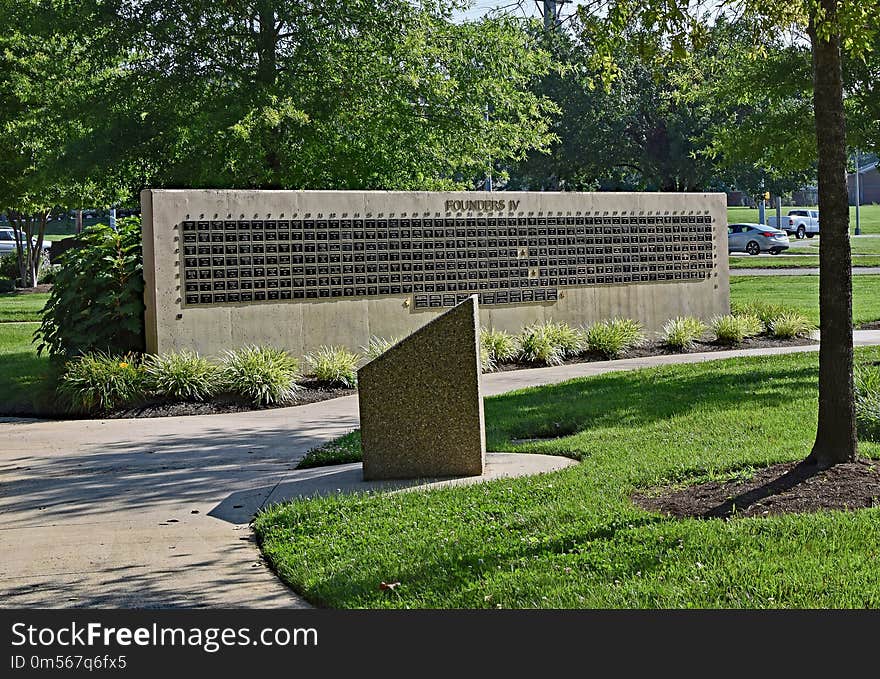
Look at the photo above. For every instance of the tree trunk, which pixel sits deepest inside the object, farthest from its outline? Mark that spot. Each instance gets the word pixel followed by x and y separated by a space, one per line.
pixel 836 434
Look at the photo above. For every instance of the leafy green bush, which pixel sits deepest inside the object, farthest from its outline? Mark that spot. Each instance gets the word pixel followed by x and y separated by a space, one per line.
pixel 96 302
pixel 538 344
pixel 376 346
pixel 6 285
pixel 99 382
pixel 335 366
pixel 766 312
pixel 732 329
pixel 9 266
pixel 47 273
pixel 611 338
pixel 497 346
pixel 683 332
pixel 867 392
pixel 791 324
pixel 183 375
pixel 262 375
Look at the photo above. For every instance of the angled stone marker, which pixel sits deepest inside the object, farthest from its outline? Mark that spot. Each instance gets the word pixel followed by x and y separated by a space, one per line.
pixel 420 402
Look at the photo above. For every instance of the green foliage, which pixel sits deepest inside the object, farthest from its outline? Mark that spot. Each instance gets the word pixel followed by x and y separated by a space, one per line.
pixel 683 332
pixel 376 346
pixel 790 324
pixel 499 346
pixel 331 95
pixel 338 451
pixel 612 338
pixel 766 311
pixel 867 392
pixel 6 285
pixel 96 302
pixel 335 366
pixel 101 382
pixel 180 375
pixel 569 340
pixel 732 329
pixel 9 266
pixel 537 344
pixel 261 375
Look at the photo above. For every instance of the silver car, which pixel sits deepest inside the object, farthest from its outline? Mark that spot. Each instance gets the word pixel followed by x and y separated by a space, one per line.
pixel 755 239
pixel 7 241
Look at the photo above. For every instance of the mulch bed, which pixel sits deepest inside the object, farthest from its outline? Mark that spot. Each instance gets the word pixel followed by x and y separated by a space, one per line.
pixel 42 287
pixel 312 392
pixel 873 325
pixel 789 488
pixel 657 348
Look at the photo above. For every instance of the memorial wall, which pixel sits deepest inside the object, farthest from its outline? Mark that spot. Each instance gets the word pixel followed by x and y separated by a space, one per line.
pixel 299 269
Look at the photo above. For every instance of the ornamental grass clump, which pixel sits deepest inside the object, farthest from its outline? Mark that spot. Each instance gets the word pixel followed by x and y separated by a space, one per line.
pixel 497 346
pixel 612 338
pixel 334 366
pixel 766 312
pixel 682 333
pixel 101 382
pixel 261 375
pixel 569 340
pixel 732 329
pixel 791 324
pixel 183 376
pixel 867 393
pixel 537 344
pixel 376 346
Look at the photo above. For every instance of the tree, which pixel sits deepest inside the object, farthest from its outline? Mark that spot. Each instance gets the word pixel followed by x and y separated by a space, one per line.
pixel 832 27
pixel 43 58
pixel 656 125
pixel 332 94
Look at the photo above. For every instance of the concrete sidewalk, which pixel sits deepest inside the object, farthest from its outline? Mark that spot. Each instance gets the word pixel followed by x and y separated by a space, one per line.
pixel 153 512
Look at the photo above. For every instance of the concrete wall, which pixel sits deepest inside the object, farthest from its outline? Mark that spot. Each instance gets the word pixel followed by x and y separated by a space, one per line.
pixel 302 325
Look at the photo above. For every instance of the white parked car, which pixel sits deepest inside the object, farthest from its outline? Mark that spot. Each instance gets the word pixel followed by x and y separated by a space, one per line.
pixel 800 223
pixel 7 241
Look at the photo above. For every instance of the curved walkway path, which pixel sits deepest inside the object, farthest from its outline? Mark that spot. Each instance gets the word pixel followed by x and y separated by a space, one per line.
pixel 150 513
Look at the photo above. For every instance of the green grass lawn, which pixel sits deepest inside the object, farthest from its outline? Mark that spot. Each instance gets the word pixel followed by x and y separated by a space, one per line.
pixel 860 245
pixel 24 376
pixel 18 307
pixel 870 216
pixel 573 539
pixel 802 292
pixel 793 262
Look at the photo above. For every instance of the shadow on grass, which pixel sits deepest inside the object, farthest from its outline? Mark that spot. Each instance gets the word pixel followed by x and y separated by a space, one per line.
pixel 639 398
pixel 794 477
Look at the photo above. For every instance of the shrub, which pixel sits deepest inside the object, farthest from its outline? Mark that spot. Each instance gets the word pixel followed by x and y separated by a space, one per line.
pixel 183 375
pixel 732 329
pixel 335 366
pixel 537 345
pixel 498 346
pixel 47 273
pixel 791 324
pixel 9 266
pixel 569 340
pixel 611 338
pixel 6 285
pixel 376 346
pixel 867 392
pixel 766 312
pixel 98 381
pixel 683 332
pixel 96 302
pixel 262 375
